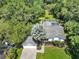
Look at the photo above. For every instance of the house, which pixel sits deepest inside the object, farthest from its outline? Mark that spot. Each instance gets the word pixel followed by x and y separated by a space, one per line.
pixel 54 31
pixel 29 43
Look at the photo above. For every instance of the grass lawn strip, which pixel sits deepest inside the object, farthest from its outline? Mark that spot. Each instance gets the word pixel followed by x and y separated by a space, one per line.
pixel 53 53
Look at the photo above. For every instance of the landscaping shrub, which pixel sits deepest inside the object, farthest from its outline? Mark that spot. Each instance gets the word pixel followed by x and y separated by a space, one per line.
pixel 58 43
pixel 11 54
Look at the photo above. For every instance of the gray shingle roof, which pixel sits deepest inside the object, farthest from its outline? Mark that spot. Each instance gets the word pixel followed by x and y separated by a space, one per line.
pixel 53 29
pixel 29 42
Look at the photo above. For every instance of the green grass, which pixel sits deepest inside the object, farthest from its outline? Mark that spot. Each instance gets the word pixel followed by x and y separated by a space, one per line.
pixel 53 53
pixel 19 51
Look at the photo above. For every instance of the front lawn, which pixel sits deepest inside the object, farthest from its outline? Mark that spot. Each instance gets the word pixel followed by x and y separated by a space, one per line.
pixel 53 53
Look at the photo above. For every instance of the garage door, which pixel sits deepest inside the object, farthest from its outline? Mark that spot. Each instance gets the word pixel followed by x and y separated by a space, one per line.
pixel 29 47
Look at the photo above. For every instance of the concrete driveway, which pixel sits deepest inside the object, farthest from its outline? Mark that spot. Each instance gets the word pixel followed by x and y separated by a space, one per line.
pixel 28 53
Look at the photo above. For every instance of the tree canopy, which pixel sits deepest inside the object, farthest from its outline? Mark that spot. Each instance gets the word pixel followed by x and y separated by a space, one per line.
pixel 38 32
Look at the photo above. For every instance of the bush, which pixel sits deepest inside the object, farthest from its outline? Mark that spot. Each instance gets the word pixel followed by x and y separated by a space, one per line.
pixel 11 54
pixel 58 43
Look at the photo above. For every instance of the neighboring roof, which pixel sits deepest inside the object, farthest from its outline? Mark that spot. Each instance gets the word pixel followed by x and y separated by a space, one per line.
pixel 53 29
pixel 29 42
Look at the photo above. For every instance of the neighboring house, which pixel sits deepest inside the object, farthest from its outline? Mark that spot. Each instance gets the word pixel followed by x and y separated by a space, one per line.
pixel 29 43
pixel 54 31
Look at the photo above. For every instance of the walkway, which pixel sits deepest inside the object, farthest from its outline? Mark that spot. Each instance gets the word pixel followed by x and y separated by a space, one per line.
pixel 28 53
pixel 41 50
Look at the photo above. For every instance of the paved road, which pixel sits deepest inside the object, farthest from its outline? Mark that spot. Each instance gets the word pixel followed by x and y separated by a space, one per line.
pixel 1 54
pixel 28 53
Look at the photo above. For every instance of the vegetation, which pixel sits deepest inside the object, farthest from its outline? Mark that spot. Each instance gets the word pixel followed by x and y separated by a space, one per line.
pixel 53 53
pixel 19 51
pixel 58 43
pixel 38 34
pixel 18 16
pixel 13 53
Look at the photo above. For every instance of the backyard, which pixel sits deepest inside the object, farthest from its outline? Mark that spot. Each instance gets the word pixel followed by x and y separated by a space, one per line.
pixel 53 53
